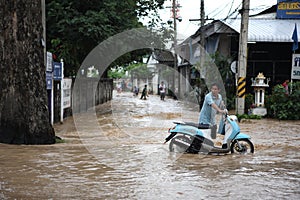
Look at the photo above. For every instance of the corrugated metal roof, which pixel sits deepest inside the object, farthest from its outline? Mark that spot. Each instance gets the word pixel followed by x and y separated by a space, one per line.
pixel 267 30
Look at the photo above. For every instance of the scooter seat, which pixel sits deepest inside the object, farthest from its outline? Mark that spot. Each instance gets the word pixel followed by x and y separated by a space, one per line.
pixel 199 126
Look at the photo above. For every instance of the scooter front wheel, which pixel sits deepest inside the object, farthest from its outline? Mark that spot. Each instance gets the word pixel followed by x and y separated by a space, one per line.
pixel 242 146
pixel 179 144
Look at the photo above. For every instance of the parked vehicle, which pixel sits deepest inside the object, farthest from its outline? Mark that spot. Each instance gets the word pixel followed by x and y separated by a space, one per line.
pixel 188 137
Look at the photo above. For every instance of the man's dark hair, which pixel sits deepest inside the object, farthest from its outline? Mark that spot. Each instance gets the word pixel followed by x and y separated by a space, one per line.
pixel 215 84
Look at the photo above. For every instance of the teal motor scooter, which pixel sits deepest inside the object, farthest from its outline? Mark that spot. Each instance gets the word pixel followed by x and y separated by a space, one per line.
pixel 188 137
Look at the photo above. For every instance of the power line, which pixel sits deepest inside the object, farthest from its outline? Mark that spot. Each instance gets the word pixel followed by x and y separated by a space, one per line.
pixel 230 7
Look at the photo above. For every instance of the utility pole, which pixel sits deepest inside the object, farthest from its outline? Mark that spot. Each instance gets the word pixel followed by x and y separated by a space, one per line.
pixel 202 40
pixel 175 24
pixel 174 13
pixel 175 16
pixel 242 58
pixel 175 38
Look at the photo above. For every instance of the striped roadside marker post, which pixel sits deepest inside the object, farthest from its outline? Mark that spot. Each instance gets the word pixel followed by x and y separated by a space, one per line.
pixel 241 92
pixel 241 87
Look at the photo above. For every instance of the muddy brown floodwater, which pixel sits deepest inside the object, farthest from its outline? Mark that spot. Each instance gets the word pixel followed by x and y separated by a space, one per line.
pixel 121 156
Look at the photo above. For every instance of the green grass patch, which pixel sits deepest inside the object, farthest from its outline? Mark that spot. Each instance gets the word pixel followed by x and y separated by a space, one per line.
pixel 59 140
pixel 245 116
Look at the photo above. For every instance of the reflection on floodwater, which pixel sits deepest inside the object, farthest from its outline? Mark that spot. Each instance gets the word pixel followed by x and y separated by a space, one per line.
pixel 124 158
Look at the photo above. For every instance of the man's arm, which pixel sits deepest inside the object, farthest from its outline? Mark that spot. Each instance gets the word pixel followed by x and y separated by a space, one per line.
pixel 217 108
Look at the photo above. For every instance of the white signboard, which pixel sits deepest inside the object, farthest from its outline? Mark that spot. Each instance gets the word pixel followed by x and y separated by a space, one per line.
pixel 49 62
pixel 295 67
pixel 67 85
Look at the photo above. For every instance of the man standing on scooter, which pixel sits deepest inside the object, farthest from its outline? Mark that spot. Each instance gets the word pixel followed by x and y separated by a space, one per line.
pixel 211 105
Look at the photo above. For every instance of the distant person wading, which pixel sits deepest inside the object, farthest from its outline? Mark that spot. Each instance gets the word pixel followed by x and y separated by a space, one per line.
pixel 144 93
pixel 162 91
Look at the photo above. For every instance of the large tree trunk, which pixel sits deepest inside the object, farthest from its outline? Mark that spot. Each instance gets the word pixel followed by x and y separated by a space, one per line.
pixel 24 117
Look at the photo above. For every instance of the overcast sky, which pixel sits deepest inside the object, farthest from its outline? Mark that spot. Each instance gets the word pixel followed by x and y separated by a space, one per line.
pixel 213 9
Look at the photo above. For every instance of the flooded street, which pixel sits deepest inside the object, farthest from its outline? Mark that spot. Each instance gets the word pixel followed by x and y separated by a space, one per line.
pixel 122 156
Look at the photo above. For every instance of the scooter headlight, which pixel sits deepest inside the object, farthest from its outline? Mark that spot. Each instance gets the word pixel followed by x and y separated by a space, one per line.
pixel 233 118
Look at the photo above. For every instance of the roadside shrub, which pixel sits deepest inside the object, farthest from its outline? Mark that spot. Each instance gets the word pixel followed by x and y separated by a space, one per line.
pixel 284 106
pixel 230 104
pixel 249 101
pixel 246 116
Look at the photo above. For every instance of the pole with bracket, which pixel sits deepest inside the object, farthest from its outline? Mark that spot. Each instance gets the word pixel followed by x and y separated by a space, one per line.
pixel 174 12
pixel 202 41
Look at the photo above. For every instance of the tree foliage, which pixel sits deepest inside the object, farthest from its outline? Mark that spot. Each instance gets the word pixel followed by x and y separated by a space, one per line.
pixel 284 106
pixel 140 71
pixel 223 64
pixel 74 28
pixel 116 73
